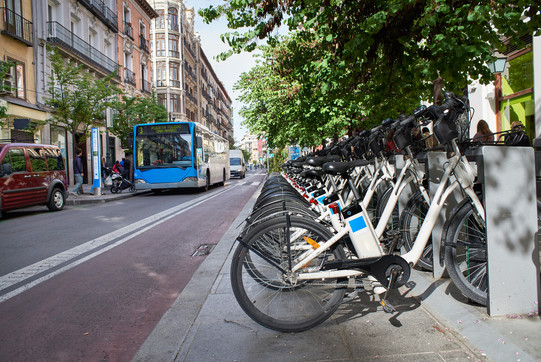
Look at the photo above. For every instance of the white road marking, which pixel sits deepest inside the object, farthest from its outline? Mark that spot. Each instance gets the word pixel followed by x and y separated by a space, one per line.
pixel 134 229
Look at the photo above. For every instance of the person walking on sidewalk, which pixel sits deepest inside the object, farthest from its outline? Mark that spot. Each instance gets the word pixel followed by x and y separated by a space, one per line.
pixel 78 172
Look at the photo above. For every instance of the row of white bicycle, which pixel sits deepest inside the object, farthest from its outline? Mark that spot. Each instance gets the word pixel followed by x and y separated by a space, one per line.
pixel 330 227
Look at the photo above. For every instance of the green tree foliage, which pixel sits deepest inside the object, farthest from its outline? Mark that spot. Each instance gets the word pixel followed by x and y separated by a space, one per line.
pixel 352 63
pixel 4 73
pixel 131 111
pixel 78 99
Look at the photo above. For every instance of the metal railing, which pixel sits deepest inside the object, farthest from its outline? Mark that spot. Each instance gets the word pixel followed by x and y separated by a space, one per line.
pixel 160 53
pixel 161 83
pixel 103 12
pixel 57 34
pixel 143 44
pixel 191 74
pixel 174 53
pixel 129 76
pixel 146 87
pixel 192 98
pixel 175 83
pixel 128 30
pixel 16 26
pixel 189 48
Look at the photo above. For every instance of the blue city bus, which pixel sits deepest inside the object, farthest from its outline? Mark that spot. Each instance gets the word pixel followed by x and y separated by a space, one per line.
pixel 178 155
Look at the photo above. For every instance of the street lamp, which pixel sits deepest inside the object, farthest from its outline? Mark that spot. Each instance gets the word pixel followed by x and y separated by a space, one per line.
pixel 497 66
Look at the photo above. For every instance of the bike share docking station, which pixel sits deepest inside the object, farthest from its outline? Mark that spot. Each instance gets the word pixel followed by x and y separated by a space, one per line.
pixel 506 177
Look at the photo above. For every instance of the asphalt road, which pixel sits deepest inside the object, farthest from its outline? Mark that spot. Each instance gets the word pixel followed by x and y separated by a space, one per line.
pixel 92 281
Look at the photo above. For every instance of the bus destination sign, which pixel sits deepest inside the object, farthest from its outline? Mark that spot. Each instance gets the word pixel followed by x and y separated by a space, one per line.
pixel 158 129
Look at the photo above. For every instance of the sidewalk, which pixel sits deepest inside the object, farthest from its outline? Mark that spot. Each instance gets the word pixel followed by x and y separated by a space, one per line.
pixel 433 324
pixel 87 198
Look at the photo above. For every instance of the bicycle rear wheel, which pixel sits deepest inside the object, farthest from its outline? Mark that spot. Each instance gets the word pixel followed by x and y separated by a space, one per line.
pixel 260 282
pixel 466 253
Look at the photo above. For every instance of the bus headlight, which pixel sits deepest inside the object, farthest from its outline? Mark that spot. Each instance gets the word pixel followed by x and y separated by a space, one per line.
pixel 190 179
pixel 140 181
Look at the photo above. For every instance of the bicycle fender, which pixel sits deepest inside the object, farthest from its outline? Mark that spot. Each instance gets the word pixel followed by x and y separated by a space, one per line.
pixel 445 230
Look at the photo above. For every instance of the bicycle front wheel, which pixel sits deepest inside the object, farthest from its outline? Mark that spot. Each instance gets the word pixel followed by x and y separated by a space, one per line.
pixel 411 220
pixel 272 296
pixel 466 253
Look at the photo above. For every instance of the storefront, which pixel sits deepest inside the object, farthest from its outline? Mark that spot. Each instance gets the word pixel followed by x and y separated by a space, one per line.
pixel 515 89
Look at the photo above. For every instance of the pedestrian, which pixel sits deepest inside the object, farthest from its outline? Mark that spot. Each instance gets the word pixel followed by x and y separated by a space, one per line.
pixel 390 145
pixel 517 136
pixel 430 139
pixel 78 173
pixel 117 167
pixel 484 134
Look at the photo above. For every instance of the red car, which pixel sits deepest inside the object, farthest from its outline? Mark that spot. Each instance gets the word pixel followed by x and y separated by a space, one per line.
pixel 32 174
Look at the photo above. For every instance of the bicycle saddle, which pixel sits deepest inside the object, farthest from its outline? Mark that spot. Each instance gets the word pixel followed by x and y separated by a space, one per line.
pixel 318 161
pixel 337 168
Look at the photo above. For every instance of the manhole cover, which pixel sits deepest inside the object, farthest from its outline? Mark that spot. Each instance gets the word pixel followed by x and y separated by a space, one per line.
pixel 203 249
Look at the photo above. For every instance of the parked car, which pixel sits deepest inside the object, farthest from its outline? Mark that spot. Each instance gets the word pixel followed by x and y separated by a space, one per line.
pixel 32 174
pixel 237 167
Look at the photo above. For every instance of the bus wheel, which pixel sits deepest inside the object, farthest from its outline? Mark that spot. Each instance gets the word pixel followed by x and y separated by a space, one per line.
pixel 207 182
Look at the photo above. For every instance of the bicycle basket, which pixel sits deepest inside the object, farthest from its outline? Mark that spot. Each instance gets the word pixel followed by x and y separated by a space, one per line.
pixel 376 144
pixel 402 138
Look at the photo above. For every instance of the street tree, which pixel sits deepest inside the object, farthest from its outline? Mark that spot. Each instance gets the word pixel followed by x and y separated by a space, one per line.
pixel 5 68
pixel 376 59
pixel 133 110
pixel 78 100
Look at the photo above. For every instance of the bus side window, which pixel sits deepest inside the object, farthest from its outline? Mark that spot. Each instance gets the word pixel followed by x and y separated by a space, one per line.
pixel 198 142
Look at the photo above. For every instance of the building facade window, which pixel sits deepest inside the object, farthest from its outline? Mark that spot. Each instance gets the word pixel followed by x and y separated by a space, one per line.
pixel 17 79
pixel 174 74
pixel 160 45
pixel 175 103
pixel 173 19
pixel 173 46
pixel 161 75
pixel 160 21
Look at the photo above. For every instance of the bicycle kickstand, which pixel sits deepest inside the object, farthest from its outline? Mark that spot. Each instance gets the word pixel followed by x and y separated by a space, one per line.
pixel 387 307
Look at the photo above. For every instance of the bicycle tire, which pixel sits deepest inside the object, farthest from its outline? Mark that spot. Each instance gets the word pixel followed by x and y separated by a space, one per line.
pixel 394 221
pixel 466 254
pixel 411 219
pixel 270 299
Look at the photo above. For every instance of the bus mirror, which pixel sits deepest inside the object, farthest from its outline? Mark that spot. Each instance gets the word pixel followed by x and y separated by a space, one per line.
pixel 198 142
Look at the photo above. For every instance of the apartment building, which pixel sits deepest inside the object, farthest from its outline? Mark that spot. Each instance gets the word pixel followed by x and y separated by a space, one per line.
pixel 185 82
pixel 18 92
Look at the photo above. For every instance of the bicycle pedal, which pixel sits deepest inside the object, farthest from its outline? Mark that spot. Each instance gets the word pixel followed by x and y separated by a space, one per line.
pixel 387 307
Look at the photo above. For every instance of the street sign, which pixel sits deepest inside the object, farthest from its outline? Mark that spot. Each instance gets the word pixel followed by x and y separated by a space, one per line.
pixel 96 161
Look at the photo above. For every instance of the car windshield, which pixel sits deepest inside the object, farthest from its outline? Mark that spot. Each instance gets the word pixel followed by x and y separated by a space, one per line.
pixel 234 161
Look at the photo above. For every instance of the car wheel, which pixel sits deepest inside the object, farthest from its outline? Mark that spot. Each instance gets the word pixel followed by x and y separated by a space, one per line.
pixel 57 201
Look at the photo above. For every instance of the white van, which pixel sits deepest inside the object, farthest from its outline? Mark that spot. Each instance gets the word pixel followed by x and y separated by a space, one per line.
pixel 237 167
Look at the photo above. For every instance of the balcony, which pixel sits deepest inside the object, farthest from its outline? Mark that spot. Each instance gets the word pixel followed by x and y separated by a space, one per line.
pixel 129 76
pixel 192 98
pixel 103 12
pixel 161 83
pixel 16 26
pixel 187 46
pixel 147 87
pixel 175 83
pixel 57 34
pixel 143 44
pixel 174 54
pixel 128 30
pixel 160 53
pixel 191 74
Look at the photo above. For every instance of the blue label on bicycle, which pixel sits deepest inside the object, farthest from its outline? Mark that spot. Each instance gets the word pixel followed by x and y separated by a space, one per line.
pixel 357 224
pixel 320 199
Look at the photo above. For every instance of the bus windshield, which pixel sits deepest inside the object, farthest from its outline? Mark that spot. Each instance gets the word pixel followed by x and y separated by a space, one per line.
pixel 164 150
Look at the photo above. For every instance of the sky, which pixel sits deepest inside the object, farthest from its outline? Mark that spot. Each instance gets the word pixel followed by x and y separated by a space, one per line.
pixel 228 71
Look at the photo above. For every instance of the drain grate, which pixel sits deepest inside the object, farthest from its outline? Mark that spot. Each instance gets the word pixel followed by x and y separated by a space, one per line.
pixel 203 249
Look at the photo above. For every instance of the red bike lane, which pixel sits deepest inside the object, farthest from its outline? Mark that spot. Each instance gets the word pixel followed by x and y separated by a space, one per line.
pixel 105 308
